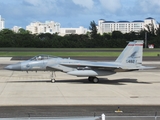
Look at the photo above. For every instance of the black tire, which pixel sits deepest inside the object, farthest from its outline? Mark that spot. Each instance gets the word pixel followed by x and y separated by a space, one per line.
pixel 95 80
pixel 90 79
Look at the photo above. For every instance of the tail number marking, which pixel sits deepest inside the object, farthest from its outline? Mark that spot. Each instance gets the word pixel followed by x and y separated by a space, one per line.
pixel 131 61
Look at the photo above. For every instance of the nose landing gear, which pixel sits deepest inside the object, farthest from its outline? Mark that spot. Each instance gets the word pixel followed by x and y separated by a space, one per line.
pixel 53 75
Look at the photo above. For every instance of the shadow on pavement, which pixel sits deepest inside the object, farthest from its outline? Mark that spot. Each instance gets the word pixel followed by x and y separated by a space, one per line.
pixel 122 81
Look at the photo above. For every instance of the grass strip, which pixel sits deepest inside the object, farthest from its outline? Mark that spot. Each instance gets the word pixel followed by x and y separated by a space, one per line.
pixel 68 54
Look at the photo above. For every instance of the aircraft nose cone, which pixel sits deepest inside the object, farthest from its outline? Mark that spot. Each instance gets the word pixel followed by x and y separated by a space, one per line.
pixel 14 67
pixel 9 67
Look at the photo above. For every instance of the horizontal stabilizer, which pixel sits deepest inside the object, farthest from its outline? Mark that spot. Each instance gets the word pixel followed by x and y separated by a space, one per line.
pixel 146 68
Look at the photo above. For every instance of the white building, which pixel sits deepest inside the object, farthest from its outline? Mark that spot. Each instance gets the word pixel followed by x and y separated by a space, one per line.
pixel 47 27
pixel 1 23
pixel 16 29
pixel 80 30
pixel 53 27
pixel 124 26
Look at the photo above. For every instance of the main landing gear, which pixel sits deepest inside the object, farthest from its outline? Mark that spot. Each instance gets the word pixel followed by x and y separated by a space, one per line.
pixel 93 79
pixel 90 78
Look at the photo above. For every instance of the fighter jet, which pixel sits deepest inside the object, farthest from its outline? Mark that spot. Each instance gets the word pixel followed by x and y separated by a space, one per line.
pixel 129 60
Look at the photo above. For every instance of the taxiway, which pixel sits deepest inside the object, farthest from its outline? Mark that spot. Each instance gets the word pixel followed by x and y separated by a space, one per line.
pixel 140 88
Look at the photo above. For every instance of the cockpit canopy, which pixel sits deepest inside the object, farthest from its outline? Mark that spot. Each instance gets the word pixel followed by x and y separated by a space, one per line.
pixel 41 57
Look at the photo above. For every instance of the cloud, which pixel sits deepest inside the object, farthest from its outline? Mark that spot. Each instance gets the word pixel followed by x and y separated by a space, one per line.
pixel 111 5
pixel 33 2
pixel 148 6
pixel 88 3
pixel 71 13
pixel 39 6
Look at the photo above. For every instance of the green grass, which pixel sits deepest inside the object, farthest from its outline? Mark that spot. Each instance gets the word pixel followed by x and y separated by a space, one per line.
pixel 69 54
pixel 46 49
pixel 151 54
pixel 60 53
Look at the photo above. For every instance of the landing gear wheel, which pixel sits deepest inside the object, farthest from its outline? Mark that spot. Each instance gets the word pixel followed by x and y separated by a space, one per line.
pixel 95 80
pixel 53 80
pixel 53 77
pixel 90 79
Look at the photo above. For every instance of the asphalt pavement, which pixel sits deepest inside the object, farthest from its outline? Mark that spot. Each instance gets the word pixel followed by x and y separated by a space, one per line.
pixel 80 111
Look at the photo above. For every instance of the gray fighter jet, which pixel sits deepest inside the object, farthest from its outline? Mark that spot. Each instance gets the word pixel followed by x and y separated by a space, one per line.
pixel 129 60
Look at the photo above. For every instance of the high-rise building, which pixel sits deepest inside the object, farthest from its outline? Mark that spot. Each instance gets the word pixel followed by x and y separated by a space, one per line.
pixel 53 27
pixel 1 23
pixel 124 26
pixel 47 27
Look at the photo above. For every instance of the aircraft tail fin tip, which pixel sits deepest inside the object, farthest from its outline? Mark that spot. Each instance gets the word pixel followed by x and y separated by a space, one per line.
pixel 132 54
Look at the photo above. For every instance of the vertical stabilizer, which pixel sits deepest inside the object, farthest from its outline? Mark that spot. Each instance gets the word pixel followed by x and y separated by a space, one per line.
pixel 132 54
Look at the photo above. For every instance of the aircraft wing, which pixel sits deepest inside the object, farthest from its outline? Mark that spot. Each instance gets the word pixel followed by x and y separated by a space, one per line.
pixel 109 66
pixel 92 65
pixel 53 68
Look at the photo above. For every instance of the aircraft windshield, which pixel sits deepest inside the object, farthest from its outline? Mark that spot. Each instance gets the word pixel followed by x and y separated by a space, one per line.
pixel 41 57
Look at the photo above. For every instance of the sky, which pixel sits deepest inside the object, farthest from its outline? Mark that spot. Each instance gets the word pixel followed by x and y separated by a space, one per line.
pixel 75 13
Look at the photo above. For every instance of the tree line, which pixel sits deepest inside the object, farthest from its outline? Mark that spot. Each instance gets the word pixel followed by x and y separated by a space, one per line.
pixel 92 39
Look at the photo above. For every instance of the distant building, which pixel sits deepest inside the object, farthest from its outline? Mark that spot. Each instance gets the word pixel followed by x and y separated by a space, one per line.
pixel 47 27
pixel 1 23
pixel 16 29
pixel 80 30
pixel 124 26
pixel 53 27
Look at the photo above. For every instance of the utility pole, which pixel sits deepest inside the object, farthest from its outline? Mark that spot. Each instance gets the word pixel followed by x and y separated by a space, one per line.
pixel 145 39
